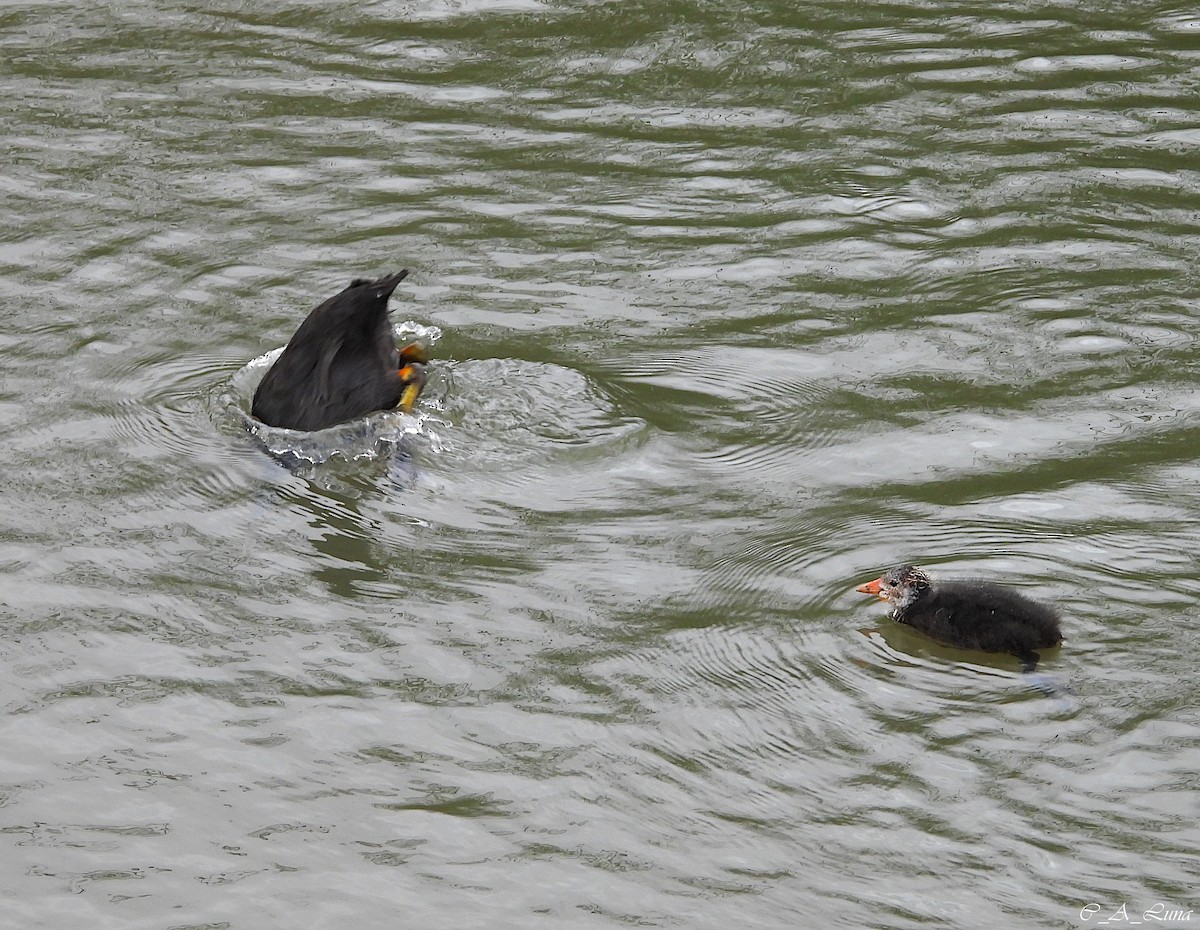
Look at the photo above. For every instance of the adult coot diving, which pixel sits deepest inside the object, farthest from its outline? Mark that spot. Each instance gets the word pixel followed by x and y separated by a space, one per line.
pixel 969 614
pixel 342 363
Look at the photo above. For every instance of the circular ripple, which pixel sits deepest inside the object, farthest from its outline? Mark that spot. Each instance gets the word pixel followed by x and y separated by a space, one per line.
pixel 501 413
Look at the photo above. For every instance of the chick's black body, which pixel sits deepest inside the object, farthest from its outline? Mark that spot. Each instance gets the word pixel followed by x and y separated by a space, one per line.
pixel 969 614
pixel 342 363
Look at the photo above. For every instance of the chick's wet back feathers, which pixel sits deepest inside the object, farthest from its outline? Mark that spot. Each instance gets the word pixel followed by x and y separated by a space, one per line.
pixel 342 363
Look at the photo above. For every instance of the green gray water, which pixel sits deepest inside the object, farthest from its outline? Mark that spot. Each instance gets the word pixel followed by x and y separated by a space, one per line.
pixel 740 303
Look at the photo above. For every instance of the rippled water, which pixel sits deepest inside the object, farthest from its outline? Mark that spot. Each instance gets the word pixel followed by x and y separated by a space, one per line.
pixel 738 305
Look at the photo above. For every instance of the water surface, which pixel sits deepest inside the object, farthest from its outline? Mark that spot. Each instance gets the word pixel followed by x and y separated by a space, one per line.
pixel 739 305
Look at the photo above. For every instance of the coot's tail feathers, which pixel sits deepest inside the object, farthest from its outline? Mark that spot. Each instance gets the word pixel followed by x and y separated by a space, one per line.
pixel 384 286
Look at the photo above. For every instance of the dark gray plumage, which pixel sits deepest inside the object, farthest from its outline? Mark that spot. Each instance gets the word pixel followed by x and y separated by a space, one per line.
pixel 969 614
pixel 342 363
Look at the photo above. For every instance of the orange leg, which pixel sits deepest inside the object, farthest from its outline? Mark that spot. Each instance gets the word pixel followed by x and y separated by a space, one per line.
pixel 414 352
pixel 412 376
